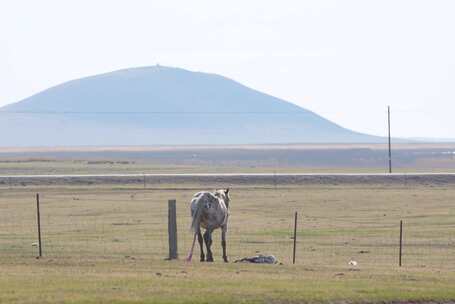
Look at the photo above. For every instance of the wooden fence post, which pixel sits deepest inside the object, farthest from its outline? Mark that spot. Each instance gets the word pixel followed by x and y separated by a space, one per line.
pixel 172 229
pixel 295 238
pixel 401 243
pixel 40 253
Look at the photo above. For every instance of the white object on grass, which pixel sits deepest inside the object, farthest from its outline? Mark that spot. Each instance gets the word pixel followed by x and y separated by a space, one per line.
pixel 352 263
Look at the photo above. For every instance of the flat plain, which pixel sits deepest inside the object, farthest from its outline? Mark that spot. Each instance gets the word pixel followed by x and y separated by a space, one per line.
pixel 318 158
pixel 105 240
pixel 108 244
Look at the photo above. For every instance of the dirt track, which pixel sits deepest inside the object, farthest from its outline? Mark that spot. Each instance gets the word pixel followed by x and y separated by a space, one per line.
pixel 233 180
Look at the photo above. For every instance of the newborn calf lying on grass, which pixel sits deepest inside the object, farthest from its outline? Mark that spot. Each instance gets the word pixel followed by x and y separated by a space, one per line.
pixel 259 259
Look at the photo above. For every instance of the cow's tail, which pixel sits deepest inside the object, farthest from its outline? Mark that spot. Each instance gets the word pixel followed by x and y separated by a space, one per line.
pixel 196 222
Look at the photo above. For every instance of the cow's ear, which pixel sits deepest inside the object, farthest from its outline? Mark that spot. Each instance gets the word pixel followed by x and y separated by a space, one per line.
pixel 226 191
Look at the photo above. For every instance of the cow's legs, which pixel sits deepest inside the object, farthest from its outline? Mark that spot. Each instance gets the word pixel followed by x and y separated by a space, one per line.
pixel 208 244
pixel 201 245
pixel 223 243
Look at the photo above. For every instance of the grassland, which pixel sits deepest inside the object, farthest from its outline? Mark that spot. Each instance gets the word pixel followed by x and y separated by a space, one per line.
pixel 107 244
pixel 228 159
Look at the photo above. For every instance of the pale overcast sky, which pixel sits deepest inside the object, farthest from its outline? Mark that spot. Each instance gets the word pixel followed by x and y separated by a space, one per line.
pixel 346 60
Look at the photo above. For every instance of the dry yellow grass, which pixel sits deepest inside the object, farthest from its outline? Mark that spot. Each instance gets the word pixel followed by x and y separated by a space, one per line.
pixel 107 245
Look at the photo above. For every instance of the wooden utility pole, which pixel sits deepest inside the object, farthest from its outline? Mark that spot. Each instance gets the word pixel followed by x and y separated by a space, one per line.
pixel 390 141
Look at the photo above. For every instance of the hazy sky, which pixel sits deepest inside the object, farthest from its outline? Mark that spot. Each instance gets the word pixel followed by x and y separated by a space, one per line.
pixel 346 60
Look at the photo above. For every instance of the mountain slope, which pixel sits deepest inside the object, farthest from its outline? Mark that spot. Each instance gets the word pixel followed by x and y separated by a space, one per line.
pixel 161 105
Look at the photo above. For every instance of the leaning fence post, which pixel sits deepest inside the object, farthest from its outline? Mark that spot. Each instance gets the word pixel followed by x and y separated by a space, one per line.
pixel 401 243
pixel 172 229
pixel 295 237
pixel 40 253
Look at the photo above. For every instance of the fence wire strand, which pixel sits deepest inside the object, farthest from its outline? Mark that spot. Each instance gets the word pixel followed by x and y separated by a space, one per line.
pixel 132 226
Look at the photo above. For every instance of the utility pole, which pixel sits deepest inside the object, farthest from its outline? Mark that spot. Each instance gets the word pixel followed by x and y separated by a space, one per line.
pixel 390 142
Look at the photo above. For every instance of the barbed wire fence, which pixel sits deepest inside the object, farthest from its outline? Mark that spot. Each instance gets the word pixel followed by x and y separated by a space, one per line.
pixel 124 224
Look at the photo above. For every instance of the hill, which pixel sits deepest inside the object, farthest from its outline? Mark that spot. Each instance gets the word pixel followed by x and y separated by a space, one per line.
pixel 162 105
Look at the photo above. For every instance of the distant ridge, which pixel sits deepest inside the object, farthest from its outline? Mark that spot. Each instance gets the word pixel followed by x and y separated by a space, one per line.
pixel 162 105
